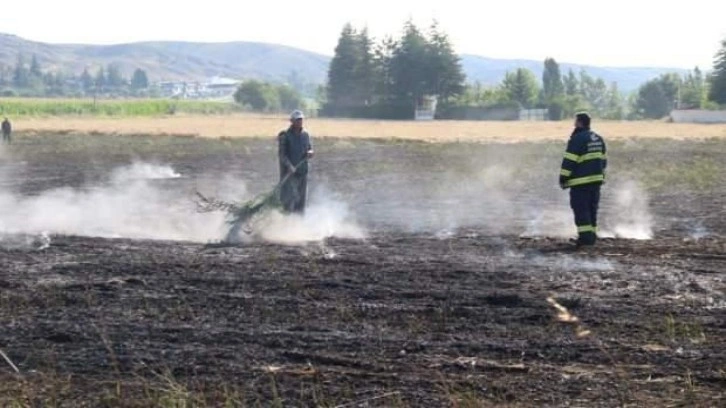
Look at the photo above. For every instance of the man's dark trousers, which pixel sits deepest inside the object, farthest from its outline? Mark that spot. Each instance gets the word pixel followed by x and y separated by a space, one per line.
pixel 293 193
pixel 585 201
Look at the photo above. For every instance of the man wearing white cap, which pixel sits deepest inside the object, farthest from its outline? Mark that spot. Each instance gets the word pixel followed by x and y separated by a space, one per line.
pixel 295 149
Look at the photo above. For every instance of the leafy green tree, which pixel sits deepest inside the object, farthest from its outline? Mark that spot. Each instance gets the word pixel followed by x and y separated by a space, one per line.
pixel 521 86
pixel 594 91
pixel 139 80
pixel 717 80
pixel 572 85
pixel 259 96
pixel 614 104
pixel 656 97
pixel 252 94
pixel 289 98
pixel 481 96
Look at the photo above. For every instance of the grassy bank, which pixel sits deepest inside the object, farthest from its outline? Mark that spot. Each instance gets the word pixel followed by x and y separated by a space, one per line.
pixel 33 107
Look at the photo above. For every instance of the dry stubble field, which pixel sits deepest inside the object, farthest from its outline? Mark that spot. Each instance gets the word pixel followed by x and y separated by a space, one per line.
pixel 440 131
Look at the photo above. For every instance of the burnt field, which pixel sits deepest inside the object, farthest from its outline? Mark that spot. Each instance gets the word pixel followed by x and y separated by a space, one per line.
pixel 422 275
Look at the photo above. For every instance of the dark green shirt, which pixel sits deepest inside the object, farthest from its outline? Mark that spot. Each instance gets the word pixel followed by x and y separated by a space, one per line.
pixel 293 149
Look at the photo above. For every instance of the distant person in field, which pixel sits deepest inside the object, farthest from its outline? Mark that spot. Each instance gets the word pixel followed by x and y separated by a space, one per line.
pixel 7 129
pixel 583 172
pixel 295 149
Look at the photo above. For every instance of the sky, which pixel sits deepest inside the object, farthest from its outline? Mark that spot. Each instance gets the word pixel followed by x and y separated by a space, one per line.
pixel 633 33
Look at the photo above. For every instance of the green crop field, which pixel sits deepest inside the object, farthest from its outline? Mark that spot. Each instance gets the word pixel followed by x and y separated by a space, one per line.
pixel 35 107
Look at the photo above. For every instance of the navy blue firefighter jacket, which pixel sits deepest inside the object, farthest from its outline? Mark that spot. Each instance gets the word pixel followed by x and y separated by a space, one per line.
pixel 585 160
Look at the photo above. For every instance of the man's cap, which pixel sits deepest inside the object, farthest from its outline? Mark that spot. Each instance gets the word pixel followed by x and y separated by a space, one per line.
pixel 582 115
pixel 297 114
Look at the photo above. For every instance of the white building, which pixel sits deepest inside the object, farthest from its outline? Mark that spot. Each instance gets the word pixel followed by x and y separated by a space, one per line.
pixel 698 116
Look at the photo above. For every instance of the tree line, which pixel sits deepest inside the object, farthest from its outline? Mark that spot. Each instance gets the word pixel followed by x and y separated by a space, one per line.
pixel 385 79
pixel 30 79
pixel 267 97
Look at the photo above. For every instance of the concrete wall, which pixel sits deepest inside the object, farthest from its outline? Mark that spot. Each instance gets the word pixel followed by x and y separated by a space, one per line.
pixel 534 114
pixel 698 116
pixel 474 113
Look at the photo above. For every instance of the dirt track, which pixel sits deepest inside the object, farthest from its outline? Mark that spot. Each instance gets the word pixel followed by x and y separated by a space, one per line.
pixel 438 317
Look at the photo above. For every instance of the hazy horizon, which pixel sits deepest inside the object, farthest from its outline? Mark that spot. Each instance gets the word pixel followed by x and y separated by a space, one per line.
pixel 620 34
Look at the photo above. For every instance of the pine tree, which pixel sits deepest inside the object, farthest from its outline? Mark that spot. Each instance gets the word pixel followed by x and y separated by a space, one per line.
pixel 139 80
pixel 86 80
pixel 521 86
pixel 552 85
pixel 100 81
pixel 114 78
pixel 21 75
pixel 692 90
pixel 35 70
pixel 382 57
pixel 410 75
pixel 342 70
pixel 717 80
pixel 364 72
pixel 445 65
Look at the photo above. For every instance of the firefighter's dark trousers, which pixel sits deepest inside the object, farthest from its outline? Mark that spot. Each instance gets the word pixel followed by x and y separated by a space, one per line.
pixel 585 201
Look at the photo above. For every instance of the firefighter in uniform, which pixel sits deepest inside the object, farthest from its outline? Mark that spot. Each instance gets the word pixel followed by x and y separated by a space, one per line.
pixel 583 172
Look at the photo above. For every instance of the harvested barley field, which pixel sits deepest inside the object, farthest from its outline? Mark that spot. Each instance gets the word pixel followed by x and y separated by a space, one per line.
pixel 438 131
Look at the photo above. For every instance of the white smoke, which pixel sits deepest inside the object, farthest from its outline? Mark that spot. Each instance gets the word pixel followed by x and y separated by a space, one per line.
pixel 632 218
pixel 131 204
pixel 325 217
pixel 37 242
pixel 142 171
pixel 128 206
pixel 550 222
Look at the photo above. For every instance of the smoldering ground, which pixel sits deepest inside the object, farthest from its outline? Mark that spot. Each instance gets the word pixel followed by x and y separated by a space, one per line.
pixel 442 302
pixel 355 188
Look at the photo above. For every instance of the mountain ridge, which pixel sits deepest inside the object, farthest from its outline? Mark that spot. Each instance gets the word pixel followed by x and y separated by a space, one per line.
pixel 196 61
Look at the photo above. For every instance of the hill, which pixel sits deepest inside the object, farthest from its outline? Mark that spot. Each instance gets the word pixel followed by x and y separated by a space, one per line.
pixel 165 60
pixel 169 60
pixel 491 71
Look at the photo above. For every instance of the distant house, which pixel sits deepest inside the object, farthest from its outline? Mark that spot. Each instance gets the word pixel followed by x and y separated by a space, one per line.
pixel 171 89
pixel 221 87
pixel 215 87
